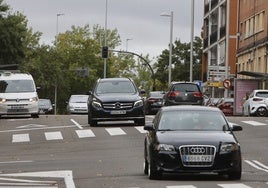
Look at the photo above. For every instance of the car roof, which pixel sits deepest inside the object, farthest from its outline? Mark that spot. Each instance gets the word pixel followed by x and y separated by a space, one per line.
pixel 114 79
pixel 190 107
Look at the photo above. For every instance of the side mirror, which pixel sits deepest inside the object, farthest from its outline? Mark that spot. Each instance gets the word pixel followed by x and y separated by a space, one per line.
pixel 142 91
pixel 89 92
pixel 148 127
pixel 235 127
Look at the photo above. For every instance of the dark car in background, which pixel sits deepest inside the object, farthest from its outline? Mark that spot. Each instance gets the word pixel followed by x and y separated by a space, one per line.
pixel 183 93
pixel 115 99
pixel 154 102
pixel 45 106
pixel 191 139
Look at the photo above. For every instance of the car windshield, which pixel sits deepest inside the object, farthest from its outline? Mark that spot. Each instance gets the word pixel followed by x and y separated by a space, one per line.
pixel 79 99
pixel 192 121
pixel 16 86
pixel 115 87
pixel 186 88
pixel 44 102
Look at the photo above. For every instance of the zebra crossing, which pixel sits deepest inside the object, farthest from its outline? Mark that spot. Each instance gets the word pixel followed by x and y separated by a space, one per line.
pixel 89 133
pixel 80 133
pixel 224 185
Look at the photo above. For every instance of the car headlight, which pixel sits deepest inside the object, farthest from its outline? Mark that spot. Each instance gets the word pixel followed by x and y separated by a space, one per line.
pixel 228 147
pixel 96 104
pixel 138 103
pixel 165 147
pixel 34 99
pixel 2 100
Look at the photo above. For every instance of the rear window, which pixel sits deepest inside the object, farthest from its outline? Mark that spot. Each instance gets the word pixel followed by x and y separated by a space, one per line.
pixel 186 88
pixel 262 94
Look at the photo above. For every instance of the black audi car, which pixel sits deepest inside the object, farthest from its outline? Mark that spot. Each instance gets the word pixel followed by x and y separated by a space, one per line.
pixel 191 139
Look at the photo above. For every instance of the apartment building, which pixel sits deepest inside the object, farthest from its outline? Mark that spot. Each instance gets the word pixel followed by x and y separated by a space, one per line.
pixel 219 46
pixel 252 43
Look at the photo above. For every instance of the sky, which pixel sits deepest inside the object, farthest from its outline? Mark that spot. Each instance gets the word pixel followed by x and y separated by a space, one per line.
pixel 141 28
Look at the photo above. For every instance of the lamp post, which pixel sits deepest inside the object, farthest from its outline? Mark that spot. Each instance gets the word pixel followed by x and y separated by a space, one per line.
pixel 192 38
pixel 170 43
pixel 105 40
pixel 127 43
pixel 56 83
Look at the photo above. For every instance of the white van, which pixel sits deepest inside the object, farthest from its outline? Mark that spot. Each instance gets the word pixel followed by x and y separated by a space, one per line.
pixel 18 95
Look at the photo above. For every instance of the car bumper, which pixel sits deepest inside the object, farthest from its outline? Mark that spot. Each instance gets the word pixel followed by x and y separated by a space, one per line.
pixel 168 162
pixel 19 109
pixel 100 114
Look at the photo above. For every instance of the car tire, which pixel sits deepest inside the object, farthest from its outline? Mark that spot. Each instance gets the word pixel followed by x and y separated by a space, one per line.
pixel 153 173
pixel 35 115
pixel 261 112
pixel 93 123
pixel 140 122
pixel 145 167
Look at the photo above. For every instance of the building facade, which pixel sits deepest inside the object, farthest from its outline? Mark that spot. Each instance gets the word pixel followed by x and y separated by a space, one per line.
pixel 252 43
pixel 219 46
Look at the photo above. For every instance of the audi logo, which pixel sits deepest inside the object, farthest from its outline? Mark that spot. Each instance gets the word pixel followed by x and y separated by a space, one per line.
pixel 197 150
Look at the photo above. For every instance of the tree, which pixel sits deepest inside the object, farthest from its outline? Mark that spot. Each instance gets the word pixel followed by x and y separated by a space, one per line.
pixel 180 62
pixel 16 40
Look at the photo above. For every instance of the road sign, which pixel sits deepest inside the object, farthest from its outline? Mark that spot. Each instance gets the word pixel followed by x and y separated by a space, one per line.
pixel 226 83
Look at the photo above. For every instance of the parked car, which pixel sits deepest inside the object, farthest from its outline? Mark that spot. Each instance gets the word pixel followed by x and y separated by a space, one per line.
pixel 45 106
pixel 256 104
pixel 226 105
pixel 183 93
pixel 115 99
pixel 154 102
pixel 77 104
pixel 191 139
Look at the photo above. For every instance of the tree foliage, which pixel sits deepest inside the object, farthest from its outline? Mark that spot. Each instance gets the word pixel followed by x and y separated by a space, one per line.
pixel 74 62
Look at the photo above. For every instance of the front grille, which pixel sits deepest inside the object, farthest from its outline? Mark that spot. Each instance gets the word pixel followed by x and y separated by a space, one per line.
pixel 117 105
pixel 197 155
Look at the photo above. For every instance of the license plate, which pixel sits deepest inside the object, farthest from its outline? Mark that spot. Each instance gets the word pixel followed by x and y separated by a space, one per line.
pixel 197 158
pixel 118 112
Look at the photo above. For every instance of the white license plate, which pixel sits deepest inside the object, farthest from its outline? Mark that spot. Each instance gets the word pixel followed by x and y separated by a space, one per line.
pixel 197 158
pixel 118 112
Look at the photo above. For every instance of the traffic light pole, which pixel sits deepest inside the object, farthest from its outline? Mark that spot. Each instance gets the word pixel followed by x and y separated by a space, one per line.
pixel 147 63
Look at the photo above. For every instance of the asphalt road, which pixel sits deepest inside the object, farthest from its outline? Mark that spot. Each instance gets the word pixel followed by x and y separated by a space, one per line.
pixel 64 152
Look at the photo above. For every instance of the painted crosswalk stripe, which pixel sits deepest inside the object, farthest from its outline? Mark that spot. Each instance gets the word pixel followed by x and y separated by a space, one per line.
pixel 115 131
pixel 20 138
pixel 181 186
pixel 140 129
pixel 254 123
pixel 234 185
pixel 85 133
pixel 53 135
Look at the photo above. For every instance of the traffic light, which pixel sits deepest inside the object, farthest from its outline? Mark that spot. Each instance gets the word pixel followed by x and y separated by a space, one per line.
pixel 105 51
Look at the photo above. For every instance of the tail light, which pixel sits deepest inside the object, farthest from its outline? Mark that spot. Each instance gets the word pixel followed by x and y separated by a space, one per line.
pixel 198 94
pixel 173 94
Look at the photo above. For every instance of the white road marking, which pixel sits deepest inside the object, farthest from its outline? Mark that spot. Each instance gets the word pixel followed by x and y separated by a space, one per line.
pixel 66 175
pixel 76 124
pixel 181 186
pixel 53 135
pixel 234 185
pixel 13 162
pixel 20 138
pixel 257 165
pixel 254 123
pixel 85 133
pixel 115 131
pixel 31 126
pixel 140 129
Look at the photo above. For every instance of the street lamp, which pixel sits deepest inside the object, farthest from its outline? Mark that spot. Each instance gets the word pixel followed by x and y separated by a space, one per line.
pixel 127 43
pixel 56 83
pixel 170 43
